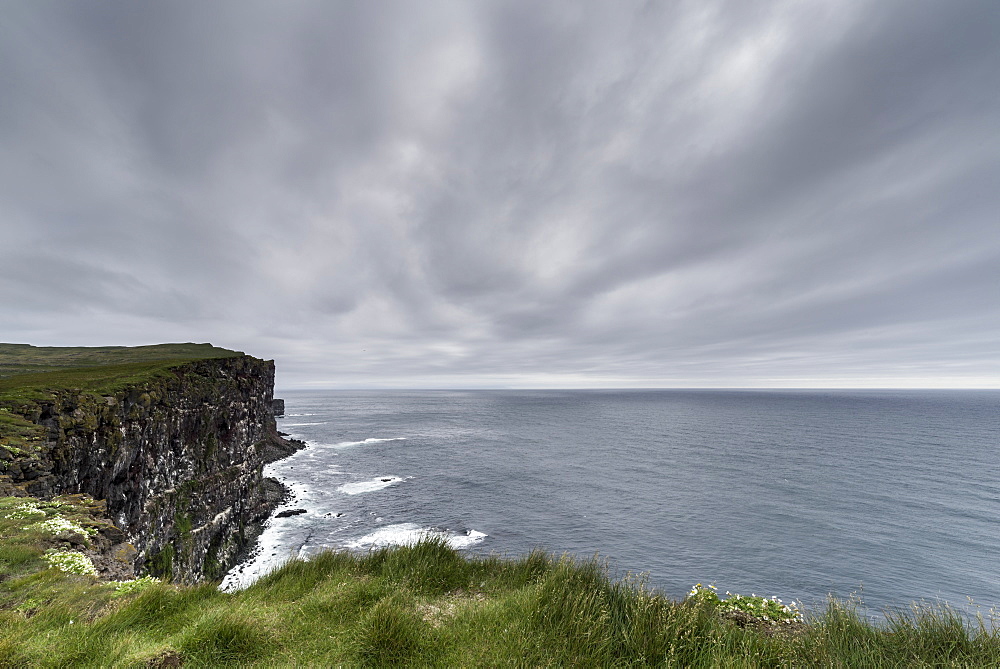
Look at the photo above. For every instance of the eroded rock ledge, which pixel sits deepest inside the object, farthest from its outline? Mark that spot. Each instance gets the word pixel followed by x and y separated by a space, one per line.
pixel 177 458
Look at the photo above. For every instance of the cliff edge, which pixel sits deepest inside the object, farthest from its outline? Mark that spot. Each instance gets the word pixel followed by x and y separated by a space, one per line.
pixel 174 448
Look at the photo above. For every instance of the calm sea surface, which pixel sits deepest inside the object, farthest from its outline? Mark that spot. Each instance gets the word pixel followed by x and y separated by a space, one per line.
pixel 893 495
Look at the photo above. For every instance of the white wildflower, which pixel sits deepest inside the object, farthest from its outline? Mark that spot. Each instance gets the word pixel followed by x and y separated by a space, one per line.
pixel 70 562
pixel 25 509
pixel 60 526
pixel 134 585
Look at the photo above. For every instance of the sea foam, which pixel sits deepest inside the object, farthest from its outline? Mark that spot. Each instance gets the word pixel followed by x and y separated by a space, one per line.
pixel 407 534
pixel 370 440
pixel 359 487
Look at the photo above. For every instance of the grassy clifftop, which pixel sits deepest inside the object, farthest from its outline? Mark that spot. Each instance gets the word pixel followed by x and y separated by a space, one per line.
pixel 29 374
pixel 25 358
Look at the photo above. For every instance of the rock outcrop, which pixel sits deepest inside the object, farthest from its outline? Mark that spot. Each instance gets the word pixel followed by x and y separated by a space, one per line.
pixel 177 457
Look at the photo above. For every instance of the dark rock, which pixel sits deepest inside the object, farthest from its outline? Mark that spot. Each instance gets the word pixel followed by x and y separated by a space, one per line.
pixel 277 407
pixel 111 533
pixel 289 512
pixel 275 493
pixel 43 487
pixel 165 660
pixel 277 447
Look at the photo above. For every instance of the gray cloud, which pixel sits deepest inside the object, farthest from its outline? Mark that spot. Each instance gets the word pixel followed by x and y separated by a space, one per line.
pixel 510 193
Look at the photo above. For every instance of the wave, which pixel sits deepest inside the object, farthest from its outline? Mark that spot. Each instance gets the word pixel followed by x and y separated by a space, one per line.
pixel 407 534
pixel 359 487
pixel 303 424
pixel 466 539
pixel 372 440
pixel 339 445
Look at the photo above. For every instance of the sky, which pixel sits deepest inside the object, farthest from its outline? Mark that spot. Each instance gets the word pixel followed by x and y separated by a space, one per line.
pixel 511 194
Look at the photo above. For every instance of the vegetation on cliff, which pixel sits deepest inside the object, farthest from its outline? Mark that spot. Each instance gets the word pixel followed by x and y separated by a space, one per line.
pixel 426 605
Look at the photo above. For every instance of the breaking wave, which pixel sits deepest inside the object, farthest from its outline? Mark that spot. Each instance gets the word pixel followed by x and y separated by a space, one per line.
pixel 373 440
pixel 407 534
pixel 359 487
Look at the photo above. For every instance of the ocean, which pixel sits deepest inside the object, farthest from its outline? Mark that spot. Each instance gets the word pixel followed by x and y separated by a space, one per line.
pixel 890 497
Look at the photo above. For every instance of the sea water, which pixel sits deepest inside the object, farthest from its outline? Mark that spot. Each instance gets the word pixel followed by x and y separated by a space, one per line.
pixel 892 496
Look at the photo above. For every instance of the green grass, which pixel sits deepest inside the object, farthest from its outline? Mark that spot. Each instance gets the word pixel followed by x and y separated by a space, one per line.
pixel 426 605
pixel 27 359
pixel 104 380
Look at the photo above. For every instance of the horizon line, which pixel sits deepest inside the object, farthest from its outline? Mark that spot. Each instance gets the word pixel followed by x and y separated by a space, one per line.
pixel 685 388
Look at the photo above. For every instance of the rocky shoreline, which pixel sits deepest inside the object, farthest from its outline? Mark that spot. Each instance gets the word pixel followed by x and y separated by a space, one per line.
pixel 276 493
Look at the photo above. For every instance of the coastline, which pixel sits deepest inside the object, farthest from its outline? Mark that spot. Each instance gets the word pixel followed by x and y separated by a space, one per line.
pixel 276 493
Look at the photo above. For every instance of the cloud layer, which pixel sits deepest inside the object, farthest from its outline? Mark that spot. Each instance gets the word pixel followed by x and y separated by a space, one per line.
pixel 511 193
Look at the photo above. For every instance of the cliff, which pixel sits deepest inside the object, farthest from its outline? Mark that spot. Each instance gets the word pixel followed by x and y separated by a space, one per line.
pixel 175 449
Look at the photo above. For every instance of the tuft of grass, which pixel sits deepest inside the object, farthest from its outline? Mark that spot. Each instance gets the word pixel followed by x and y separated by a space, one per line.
pixel 391 633
pixel 223 638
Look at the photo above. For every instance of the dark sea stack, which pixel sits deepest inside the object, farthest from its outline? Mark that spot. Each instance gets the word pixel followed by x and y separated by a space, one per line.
pixel 278 407
pixel 178 459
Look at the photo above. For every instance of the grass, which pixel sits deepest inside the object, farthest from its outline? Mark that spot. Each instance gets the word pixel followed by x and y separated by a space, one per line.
pixel 107 379
pixel 26 359
pixel 426 605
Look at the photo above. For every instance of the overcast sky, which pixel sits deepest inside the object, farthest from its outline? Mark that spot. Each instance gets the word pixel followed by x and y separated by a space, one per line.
pixel 511 194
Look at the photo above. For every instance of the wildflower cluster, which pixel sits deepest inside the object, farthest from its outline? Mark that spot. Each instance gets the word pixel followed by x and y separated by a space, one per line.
pixel 134 585
pixel 764 608
pixel 60 526
pixel 25 509
pixel 70 562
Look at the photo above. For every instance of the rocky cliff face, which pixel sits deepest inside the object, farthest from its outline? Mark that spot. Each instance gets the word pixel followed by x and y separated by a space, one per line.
pixel 178 459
